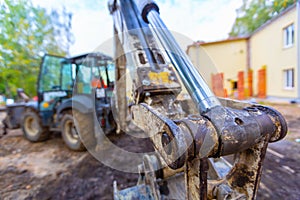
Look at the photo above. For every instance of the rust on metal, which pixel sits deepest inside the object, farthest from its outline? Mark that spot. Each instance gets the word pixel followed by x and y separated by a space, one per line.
pixel 243 131
pixel 190 146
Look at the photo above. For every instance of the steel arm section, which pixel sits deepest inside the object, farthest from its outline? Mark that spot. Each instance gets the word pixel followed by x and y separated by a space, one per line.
pixel 190 146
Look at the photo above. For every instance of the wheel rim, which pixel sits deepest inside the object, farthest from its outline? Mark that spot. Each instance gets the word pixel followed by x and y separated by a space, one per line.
pixel 31 126
pixel 70 131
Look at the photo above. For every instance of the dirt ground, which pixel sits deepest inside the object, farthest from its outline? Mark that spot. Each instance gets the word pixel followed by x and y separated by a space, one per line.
pixel 49 170
pixel 291 112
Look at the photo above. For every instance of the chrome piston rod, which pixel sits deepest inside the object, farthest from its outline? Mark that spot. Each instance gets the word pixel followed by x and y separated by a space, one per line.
pixel 193 81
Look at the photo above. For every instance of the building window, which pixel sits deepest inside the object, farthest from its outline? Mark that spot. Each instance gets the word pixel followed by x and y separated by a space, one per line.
pixel 289 81
pixel 289 35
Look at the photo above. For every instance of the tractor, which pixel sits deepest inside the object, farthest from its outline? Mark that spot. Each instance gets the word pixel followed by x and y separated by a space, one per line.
pixel 63 84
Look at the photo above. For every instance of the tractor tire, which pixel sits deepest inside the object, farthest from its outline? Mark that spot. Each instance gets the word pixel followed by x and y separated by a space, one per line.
pixel 32 127
pixel 86 129
pixel 70 134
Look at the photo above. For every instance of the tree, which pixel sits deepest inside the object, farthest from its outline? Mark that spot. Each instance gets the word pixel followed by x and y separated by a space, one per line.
pixel 254 13
pixel 26 33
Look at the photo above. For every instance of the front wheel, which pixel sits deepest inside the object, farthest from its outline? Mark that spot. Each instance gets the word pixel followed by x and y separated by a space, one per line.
pixel 70 134
pixel 32 127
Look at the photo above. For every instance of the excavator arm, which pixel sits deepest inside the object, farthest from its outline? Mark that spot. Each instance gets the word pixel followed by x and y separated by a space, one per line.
pixel 190 135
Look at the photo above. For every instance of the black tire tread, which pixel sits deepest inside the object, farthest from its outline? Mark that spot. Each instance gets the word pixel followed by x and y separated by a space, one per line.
pixel 44 132
pixel 80 147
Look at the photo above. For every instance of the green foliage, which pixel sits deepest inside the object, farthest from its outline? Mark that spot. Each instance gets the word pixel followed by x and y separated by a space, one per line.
pixel 254 13
pixel 26 33
pixel 279 5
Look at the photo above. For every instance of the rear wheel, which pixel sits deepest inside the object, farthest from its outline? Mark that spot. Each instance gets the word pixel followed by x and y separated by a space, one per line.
pixel 70 134
pixel 32 127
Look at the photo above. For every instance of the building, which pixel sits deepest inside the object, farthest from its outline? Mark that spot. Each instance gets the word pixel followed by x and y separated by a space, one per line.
pixel 227 57
pixel 264 64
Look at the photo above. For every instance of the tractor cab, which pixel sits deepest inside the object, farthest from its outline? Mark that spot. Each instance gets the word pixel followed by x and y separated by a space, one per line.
pixel 61 78
pixel 82 85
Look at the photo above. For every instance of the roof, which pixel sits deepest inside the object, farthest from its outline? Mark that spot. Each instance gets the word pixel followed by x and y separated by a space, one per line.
pixel 92 54
pixel 202 43
pixel 230 39
pixel 81 58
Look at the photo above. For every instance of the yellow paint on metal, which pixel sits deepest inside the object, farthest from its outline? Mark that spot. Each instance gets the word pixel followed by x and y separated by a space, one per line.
pixel 158 78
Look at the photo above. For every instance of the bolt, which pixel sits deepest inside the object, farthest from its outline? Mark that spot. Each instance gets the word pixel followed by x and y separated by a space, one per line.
pixel 146 82
pixel 172 78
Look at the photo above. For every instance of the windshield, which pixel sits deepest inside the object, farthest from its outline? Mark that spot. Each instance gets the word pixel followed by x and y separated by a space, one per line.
pixel 99 75
pixel 50 74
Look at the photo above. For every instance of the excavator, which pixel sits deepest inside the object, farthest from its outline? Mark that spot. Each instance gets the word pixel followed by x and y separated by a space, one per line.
pixel 205 147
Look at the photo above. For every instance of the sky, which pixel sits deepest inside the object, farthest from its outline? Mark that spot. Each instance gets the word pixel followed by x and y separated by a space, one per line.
pixel 92 25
